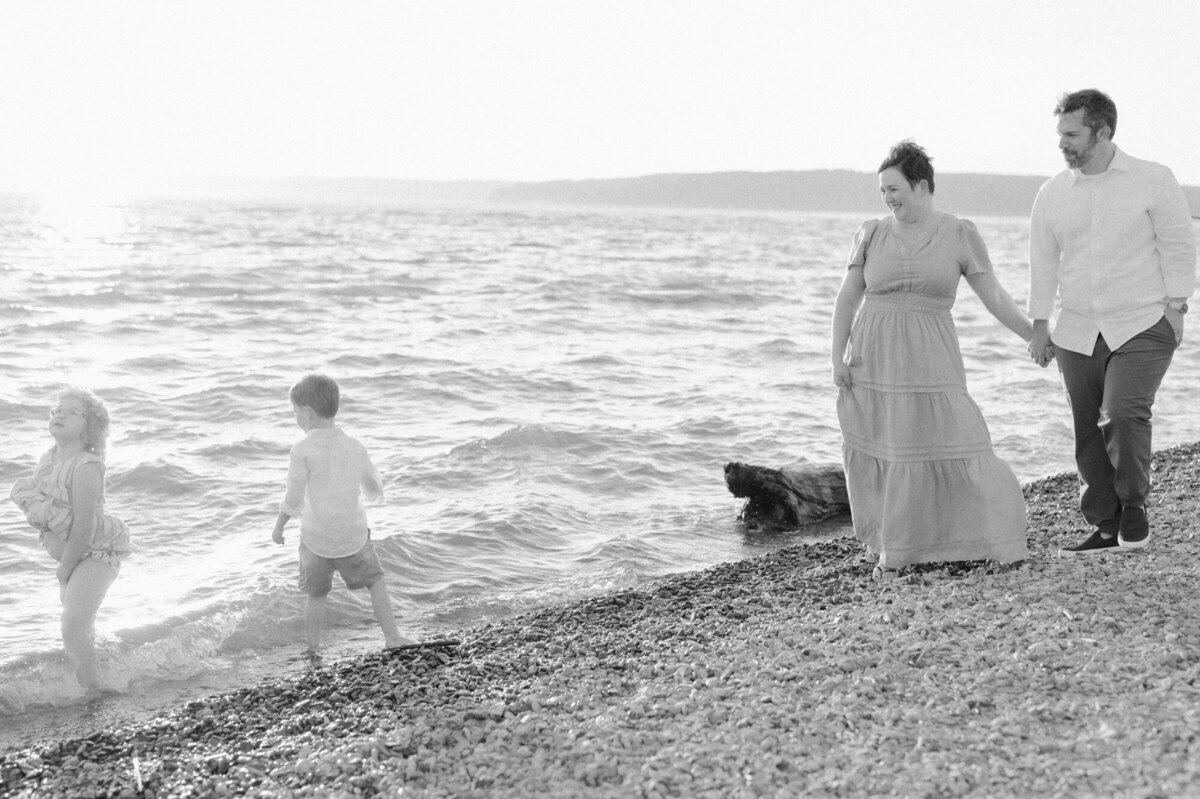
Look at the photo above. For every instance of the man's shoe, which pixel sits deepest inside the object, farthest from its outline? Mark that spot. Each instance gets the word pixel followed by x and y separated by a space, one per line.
pixel 1092 545
pixel 1135 529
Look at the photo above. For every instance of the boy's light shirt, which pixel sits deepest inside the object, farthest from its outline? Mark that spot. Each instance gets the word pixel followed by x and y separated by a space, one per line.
pixel 1114 247
pixel 327 470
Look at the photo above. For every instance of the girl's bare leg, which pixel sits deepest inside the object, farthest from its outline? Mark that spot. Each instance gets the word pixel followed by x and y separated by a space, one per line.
pixel 81 598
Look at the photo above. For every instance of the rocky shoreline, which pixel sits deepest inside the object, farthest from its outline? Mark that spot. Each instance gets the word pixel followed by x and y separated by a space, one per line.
pixel 782 675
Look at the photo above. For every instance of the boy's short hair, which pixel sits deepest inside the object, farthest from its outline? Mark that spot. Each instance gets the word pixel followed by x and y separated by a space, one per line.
pixel 317 392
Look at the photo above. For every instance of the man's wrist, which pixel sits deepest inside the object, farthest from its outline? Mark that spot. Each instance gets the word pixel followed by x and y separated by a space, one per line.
pixel 1178 304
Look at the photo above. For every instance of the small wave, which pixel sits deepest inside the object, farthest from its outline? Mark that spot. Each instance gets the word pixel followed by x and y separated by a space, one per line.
pixel 634 555
pixel 268 244
pixel 532 245
pixel 691 299
pixel 154 654
pixel 107 298
pixel 62 326
pixel 777 346
pixel 600 362
pixel 20 410
pixel 12 310
pixel 389 259
pixel 444 396
pixel 461 604
pixel 349 362
pixel 155 363
pixel 709 427
pixel 410 361
pixel 244 449
pixel 258 282
pixel 221 405
pixel 128 328
pixel 527 437
pixel 11 471
pixel 158 478
pixel 468 333
pixel 647 258
pixel 485 388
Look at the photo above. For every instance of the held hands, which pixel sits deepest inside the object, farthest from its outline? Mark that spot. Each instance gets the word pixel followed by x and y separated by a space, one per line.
pixel 1041 350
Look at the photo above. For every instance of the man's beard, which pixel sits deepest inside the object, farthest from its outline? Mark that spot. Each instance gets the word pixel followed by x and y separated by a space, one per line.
pixel 1079 159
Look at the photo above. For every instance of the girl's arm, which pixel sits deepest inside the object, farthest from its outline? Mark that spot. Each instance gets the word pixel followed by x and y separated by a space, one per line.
pixel 1000 304
pixel 86 488
pixel 849 297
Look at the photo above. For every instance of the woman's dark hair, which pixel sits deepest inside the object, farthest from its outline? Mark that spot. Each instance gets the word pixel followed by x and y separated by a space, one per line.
pixel 1098 109
pixel 912 161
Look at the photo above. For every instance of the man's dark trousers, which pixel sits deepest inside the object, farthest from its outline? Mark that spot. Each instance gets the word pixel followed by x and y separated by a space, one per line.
pixel 1111 394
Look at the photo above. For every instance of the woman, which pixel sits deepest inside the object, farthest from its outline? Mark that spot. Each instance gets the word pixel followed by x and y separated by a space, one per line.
pixel 923 481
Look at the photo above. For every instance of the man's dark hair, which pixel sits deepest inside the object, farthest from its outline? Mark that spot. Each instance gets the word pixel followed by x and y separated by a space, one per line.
pixel 1098 109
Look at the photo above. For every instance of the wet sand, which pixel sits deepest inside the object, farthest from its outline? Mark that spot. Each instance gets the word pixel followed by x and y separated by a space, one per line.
pixel 788 674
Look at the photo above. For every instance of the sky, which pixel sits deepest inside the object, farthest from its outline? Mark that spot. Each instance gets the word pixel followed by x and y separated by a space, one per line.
pixel 134 93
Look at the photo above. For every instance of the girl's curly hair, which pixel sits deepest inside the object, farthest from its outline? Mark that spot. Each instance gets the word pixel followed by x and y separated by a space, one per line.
pixel 95 416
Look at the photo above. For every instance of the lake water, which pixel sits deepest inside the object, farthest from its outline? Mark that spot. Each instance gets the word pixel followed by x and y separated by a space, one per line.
pixel 549 393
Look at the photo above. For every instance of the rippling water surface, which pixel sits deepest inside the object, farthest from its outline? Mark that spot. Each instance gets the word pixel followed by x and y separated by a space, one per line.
pixel 550 395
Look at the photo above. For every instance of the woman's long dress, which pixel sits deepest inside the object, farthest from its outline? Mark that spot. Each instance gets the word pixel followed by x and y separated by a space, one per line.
pixel 924 483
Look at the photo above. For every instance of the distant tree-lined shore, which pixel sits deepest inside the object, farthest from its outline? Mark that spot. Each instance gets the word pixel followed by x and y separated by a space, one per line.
pixel 820 190
pixel 815 190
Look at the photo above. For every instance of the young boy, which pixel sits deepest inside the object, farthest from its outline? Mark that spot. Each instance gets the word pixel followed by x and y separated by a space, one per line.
pixel 326 470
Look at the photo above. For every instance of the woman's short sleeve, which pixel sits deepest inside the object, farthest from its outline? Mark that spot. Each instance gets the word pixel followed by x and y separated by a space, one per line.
pixel 862 240
pixel 973 256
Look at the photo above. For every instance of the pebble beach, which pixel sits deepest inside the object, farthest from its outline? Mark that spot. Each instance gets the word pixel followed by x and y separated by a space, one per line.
pixel 783 675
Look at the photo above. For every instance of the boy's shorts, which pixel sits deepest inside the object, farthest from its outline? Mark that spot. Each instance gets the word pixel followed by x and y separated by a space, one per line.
pixel 360 570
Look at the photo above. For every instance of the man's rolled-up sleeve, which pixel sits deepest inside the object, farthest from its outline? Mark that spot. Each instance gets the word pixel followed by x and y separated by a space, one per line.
pixel 1176 241
pixel 1044 254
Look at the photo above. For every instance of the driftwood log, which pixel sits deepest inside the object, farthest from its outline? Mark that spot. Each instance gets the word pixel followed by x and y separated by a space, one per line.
pixel 783 498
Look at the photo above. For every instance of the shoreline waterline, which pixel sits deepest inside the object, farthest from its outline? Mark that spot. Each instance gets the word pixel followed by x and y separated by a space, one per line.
pixel 790 671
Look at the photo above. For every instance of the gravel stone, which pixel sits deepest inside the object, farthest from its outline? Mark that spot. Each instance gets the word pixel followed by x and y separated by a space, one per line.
pixel 788 674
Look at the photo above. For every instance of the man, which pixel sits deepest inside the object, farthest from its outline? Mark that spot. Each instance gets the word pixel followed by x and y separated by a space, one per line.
pixel 1112 237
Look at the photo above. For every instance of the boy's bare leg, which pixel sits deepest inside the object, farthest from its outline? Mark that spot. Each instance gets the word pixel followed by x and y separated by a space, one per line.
pixel 314 617
pixel 382 603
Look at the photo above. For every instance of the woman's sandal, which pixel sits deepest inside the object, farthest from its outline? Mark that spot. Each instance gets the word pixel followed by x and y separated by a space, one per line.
pixel 884 574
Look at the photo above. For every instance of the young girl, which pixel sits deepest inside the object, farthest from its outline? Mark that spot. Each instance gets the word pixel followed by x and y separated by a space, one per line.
pixel 64 500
